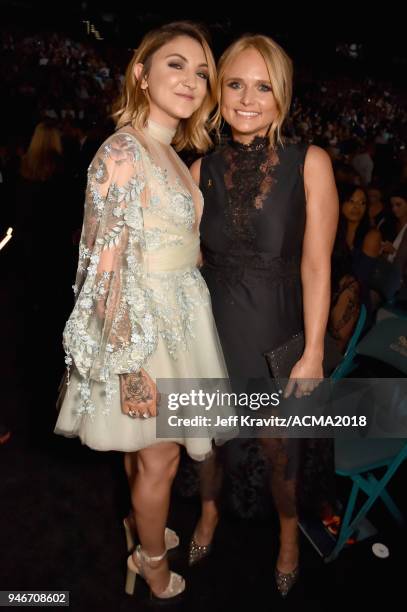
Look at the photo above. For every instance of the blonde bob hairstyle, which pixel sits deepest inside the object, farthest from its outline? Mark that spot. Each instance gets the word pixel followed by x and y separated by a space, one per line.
pixel 280 70
pixel 133 107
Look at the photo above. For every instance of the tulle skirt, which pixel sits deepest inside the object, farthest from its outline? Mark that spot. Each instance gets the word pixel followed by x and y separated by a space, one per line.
pixel 112 430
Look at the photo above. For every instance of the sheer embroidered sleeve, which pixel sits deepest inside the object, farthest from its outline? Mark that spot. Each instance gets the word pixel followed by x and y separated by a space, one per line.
pixel 112 329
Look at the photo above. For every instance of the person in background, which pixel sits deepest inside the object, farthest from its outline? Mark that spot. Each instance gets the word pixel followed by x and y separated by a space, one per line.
pixel 362 240
pixel 395 250
pixel 377 210
pixel 363 163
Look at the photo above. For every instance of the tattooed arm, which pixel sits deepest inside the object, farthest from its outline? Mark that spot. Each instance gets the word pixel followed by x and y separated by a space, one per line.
pixel 138 393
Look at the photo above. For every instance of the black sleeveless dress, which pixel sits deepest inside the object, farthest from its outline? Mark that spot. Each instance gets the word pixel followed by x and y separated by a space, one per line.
pixel 252 232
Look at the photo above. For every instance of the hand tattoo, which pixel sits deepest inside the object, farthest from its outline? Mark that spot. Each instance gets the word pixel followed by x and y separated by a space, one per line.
pixel 135 388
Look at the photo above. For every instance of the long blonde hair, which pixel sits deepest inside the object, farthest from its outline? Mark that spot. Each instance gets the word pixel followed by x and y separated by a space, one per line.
pixel 43 155
pixel 280 70
pixel 133 107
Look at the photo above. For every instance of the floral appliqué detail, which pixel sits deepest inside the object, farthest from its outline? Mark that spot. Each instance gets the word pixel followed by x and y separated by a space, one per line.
pixel 122 308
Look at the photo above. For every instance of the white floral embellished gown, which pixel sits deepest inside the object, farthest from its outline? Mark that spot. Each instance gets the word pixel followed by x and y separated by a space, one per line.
pixel 140 299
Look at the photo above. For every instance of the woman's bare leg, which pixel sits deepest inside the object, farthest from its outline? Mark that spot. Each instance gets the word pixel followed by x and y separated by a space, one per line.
pixel 130 467
pixel 150 494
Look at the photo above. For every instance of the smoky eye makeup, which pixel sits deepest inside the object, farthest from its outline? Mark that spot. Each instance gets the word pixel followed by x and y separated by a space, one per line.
pixel 176 65
pixel 265 87
pixel 179 65
pixel 233 84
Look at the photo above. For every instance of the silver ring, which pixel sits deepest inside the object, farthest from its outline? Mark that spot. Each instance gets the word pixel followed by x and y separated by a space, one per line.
pixel 133 414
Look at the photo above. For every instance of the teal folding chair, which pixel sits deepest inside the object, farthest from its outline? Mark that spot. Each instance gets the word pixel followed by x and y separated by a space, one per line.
pixel 387 342
pixel 348 364
pixel 360 460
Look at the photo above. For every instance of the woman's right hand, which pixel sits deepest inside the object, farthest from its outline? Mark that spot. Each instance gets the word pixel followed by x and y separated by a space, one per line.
pixel 305 376
pixel 138 393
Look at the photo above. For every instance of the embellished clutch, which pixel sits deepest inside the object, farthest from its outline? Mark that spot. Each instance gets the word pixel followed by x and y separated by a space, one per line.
pixel 282 359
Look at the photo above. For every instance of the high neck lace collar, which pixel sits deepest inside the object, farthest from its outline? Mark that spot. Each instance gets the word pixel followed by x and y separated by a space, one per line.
pixel 163 134
pixel 259 143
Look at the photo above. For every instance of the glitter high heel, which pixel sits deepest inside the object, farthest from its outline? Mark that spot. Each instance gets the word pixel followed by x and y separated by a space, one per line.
pixel 285 582
pixel 197 552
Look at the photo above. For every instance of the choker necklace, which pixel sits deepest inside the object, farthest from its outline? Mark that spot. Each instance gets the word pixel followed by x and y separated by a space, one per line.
pixel 163 134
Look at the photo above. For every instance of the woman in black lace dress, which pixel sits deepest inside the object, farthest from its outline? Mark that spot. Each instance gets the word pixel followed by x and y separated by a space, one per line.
pixel 267 233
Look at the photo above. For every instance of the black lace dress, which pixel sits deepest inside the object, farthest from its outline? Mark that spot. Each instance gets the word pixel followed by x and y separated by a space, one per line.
pixel 251 235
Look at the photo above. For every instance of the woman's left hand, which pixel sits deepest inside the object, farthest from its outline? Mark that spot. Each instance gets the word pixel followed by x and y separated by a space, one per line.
pixel 305 376
pixel 388 248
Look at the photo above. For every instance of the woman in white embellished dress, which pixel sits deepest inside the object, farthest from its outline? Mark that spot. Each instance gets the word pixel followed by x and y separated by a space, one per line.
pixel 142 309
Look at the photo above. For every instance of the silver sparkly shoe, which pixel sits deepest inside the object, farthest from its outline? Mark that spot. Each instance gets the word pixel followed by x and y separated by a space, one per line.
pixel 285 582
pixel 197 552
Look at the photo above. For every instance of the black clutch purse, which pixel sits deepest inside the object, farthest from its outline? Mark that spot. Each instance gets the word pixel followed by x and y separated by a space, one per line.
pixel 282 359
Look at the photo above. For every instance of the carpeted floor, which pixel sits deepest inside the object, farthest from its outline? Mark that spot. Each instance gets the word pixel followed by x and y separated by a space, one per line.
pixel 61 507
